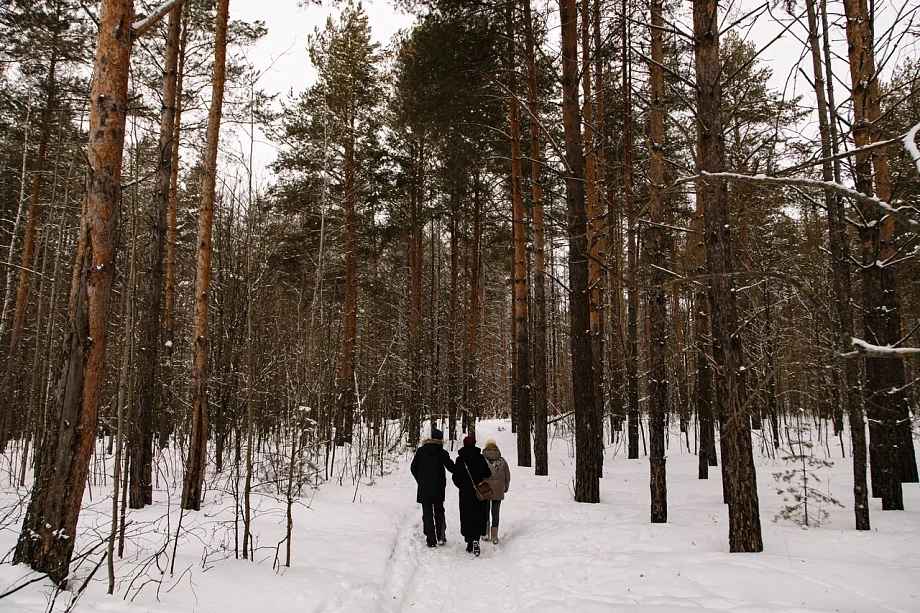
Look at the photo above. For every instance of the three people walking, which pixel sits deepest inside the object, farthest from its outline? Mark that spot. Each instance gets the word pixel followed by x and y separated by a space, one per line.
pixel 428 466
pixel 471 468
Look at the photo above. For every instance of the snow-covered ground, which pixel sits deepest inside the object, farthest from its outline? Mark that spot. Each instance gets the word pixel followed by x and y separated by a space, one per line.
pixel 361 549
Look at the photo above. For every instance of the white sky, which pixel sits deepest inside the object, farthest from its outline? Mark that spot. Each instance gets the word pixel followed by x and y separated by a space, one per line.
pixel 288 28
pixel 284 47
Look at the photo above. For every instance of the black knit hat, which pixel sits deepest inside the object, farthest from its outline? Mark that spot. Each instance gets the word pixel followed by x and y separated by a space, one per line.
pixel 437 434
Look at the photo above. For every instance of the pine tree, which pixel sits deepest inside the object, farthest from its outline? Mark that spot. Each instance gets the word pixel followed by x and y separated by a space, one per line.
pixel 348 66
pixel 196 462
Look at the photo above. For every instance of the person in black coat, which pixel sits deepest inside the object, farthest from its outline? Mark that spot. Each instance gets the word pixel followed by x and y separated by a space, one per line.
pixel 428 469
pixel 471 469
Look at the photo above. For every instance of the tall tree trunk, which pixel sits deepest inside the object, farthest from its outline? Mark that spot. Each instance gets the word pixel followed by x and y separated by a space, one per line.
pixel 12 374
pixel 453 330
pixel 632 260
pixel 172 224
pixel 198 447
pixel 70 428
pixel 681 396
pixel 587 471
pixel 122 398
pixel 472 395
pixel 521 382
pixel 541 454
pixel 616 338
pixel 770 350
pixel 594 170
pixel 345 405
pixel 735 425
pixel 250 376
pixel 150 295
pixel 702 391
pixel 657 308
pixel 892 458
pixel 416 261
pixel 840 257
pixel 434 325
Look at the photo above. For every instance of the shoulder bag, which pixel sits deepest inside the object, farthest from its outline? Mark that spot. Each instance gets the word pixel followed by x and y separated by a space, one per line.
pixel 483 489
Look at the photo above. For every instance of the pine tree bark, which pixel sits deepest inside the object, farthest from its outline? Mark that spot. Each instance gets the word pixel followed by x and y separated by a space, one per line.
pixel 616 346
pixel 702 391
pixel 453 329
pixel 681 395
pixel 416 261
pixel 472 385
pixel 657 308
pixel 49 528
pixel 891 452
pixel 150 294
pixel 738 459
pixel 345 405
pixel 198 447
pixel 840 258
pixel 541 454
pixel 172 225
pixel 587 471
pixel 434 324
pixel 521 382
pixel 594 169
pixel 632 260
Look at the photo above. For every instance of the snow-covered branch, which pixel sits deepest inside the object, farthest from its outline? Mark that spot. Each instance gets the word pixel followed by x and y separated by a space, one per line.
pixel 910 143
pixel 897 214
pixel 141 27
pixel 861 347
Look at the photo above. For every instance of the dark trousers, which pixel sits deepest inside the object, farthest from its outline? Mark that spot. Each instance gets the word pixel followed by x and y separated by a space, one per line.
pixel 433 522
pixel 496 509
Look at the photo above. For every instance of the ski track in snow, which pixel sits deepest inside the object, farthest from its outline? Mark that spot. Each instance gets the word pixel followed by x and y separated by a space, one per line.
pixel 369 556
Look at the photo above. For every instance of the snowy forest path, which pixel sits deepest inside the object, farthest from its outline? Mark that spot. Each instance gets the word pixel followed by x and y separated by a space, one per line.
pixel 450 579
pixel 509 576
pixel 359 548
pixel 445 578
pixel 557 556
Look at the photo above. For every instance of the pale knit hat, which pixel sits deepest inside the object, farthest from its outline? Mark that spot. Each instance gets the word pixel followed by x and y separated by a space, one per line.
pixel 491 441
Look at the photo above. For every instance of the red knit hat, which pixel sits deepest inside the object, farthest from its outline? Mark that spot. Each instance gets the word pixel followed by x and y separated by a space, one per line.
pixel 469 441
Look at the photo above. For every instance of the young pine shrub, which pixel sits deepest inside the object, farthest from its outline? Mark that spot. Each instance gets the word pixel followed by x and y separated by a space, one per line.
pixel 806 504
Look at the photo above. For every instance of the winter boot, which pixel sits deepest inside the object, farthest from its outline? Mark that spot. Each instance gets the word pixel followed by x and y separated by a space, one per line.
pixel 476 548
pixel 469 546
pixel 488 525
pixel 441 531
pixel 494 535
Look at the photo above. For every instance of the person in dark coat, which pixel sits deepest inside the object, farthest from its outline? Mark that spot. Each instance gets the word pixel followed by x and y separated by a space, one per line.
pixel 471 469
pixel 428 469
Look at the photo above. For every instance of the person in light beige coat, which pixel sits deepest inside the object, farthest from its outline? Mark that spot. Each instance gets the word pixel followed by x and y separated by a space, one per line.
pixel 499 482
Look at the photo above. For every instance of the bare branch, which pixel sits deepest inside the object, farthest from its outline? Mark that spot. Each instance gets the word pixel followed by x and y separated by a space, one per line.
pixel 897 214
pixel 849 153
